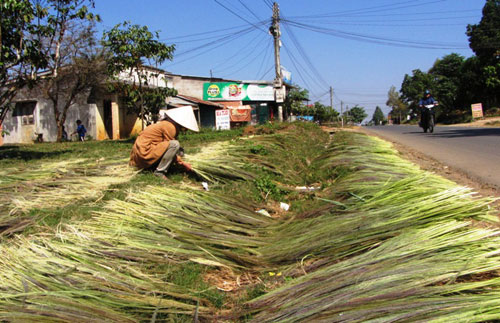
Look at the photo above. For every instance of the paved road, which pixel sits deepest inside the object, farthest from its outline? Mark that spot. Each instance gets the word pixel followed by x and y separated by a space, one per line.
pixel 475 151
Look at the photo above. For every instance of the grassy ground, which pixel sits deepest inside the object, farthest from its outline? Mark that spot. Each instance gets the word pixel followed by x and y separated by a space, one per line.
pixel 144 249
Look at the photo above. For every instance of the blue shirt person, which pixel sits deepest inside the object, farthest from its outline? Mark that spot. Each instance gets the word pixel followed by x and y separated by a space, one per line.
pixel 427 99
pixel 80 129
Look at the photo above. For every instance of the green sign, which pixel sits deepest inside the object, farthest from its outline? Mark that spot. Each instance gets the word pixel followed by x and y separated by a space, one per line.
pixel 227 91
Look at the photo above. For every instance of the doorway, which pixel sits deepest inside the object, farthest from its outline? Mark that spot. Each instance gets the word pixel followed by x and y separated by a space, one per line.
pixel 108 118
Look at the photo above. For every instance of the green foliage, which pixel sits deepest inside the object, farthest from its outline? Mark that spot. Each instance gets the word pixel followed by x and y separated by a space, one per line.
pixel 356 114
pixel 378 116
pixel 484 38
pixel 318 111
pixel 268 188
pixel 20 53
pixel 457 82
pixel 399 109
pixel 414 86
pixel 259 150
pixel 134 49
pixel 295 99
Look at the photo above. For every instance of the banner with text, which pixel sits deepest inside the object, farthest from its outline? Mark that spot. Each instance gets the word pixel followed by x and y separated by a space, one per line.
pixel 477 110
pixel 222 120
pixel 227 91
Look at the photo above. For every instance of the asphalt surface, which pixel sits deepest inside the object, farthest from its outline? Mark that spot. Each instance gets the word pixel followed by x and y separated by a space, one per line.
pixel 474 151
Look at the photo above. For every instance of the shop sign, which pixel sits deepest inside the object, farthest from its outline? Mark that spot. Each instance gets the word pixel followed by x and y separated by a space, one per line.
pixel 222 120
pixel 228 91
pixel 477 110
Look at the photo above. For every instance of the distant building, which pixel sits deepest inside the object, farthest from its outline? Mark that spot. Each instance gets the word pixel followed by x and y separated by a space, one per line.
pixel 248 101
pixel 105 116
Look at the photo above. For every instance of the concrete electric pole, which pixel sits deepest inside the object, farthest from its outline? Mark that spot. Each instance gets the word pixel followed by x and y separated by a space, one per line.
pixel 331 97
pixel 278 83
pixel 342 113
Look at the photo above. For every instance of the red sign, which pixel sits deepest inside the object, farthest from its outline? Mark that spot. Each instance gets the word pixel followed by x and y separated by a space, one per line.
pixel 241 114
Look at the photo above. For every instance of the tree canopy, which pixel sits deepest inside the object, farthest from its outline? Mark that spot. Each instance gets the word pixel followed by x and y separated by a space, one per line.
pixel 20 52
pixel 134 49
pixel 378 116
pixel 356 114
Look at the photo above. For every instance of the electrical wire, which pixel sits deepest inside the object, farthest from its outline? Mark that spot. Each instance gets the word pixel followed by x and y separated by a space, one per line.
pixel 239 16
pixel 376 39
pixel 384 8
pixel 211 45
pixel 233 56
pixel 264 59
pixel 303 53
pixel 250 10
pixel 268 3
pixel 243 66
pixel 265 73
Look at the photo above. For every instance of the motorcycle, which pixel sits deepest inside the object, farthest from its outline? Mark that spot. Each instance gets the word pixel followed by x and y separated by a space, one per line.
pixel 427 121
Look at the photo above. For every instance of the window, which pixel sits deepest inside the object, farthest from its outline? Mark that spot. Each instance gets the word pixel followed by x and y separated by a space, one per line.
pixel 25 110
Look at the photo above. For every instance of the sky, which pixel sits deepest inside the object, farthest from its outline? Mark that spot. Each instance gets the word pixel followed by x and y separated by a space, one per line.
pixel 360 48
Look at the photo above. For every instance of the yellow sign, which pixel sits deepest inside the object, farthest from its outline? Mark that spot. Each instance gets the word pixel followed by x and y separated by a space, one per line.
pixel 477 110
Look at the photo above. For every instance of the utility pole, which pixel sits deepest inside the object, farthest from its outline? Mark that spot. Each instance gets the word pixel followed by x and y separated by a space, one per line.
pixel 342 113
pixel 331 97
pixel 275 31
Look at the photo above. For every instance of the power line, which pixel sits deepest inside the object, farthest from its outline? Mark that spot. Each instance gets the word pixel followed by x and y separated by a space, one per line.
pixel 241 67
pixel 387 7
pixel 264 59
pixel 251 11
pixel 268 3
pixel 238 52
pixel 212 45
pixel 267 72
pixel 376 39
pixel 304 55
pixel 237 15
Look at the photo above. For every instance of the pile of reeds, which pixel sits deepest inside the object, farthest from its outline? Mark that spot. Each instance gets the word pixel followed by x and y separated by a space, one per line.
pixel 56 184
pixel 384 241
pixel 388 242
pixel 163 223
pixel 44 279
pixel 420 275
pixel 220 162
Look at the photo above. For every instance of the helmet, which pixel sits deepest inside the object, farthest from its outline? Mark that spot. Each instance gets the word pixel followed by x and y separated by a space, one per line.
pixel 427 92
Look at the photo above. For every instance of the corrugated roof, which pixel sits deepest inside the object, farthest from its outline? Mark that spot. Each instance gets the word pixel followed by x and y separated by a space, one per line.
pixel 196 100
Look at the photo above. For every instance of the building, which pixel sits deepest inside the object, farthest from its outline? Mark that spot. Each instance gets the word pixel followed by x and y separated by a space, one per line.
pixel 103 113
pixel 248 101
pixel 105 116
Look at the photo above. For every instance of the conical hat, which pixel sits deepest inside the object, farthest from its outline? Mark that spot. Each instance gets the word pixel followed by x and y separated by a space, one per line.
pixel 184 116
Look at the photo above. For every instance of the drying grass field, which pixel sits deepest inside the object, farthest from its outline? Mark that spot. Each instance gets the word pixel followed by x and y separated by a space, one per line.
pixel 368 236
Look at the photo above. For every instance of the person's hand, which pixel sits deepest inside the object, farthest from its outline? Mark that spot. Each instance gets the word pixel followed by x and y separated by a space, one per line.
pixel 187 166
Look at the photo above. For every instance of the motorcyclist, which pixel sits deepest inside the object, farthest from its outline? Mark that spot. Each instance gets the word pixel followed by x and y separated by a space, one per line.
pixel 426 100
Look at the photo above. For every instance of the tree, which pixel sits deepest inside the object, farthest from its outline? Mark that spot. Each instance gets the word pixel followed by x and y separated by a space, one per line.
pixel 447 74
pixel 357 114
pixel 294 102
pixel 378 116
pixel 399 108
pixel 484 40
pixel 20 54
pixel 323 113
pixel 73 62
pixel 130 47
pixel 414 86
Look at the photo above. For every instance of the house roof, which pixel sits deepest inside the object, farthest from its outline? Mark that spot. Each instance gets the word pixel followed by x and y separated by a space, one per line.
pixel 199 101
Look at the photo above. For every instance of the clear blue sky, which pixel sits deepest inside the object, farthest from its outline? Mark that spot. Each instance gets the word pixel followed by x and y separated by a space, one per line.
pixel 338 43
